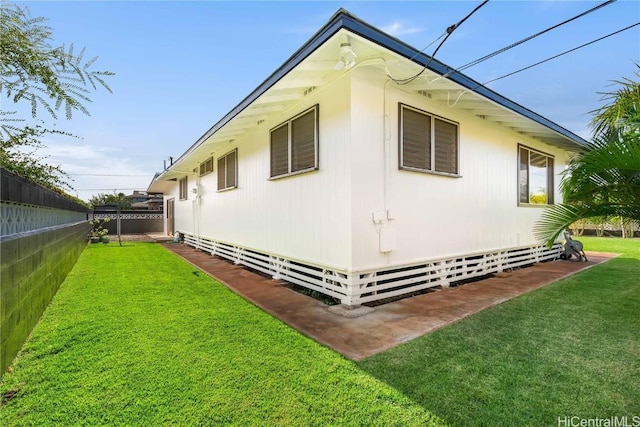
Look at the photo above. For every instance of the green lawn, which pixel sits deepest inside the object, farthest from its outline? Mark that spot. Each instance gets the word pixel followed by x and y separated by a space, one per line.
pixel 569 349
pixel 136 336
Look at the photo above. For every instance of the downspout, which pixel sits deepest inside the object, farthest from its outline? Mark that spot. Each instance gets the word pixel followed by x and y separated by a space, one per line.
pixel 196 210
pixel 387 143
pixel 386 235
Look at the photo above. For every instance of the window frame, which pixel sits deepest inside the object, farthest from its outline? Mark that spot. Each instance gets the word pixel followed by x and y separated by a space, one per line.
pixel 550 178
pixel 433 119
pixel 290 144
pixel 183 193
pixel 224 157
pixel 203 167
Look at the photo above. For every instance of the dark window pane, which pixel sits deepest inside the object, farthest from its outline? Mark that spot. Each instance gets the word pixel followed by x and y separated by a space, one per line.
pixel 303 142
pixel 416 140
pixel 183 186
pixel 446 146
pixel 231 172
pixel 221 174
pixel 280 150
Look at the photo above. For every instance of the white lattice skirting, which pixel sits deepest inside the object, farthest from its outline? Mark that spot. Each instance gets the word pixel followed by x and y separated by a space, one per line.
pixel 353 288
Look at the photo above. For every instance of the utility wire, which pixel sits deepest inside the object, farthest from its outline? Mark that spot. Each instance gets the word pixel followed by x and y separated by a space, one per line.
pixel 450 30
pixel 560 54
pixel 543 61
pixel 526 39
pixel 428 46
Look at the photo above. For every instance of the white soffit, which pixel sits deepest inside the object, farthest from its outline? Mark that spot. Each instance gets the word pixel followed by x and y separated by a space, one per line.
pixel 319 69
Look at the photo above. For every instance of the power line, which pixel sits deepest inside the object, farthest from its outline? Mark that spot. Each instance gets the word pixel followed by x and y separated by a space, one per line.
pixel 526 39
pixel 544 60
pixel 450 30
pixel 563 53
pixel 428 46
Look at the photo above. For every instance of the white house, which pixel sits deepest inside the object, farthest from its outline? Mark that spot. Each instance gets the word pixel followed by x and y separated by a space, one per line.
pixel 337 175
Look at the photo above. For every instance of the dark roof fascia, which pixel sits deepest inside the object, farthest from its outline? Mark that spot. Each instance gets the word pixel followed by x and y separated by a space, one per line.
pixel 344 19
pixel 336 22
pixel 373 34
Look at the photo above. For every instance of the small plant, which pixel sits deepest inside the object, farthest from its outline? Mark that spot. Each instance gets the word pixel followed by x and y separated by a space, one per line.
pixel 98 232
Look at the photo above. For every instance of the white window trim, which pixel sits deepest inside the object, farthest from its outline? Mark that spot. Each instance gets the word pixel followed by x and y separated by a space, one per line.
pixel 316 110
pixel 186 193
pixel 221 190
pixel 551 191
pixel 204 163
pixel 431 171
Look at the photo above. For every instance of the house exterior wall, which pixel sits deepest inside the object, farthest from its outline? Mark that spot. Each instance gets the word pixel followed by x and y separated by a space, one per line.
pixel 303 217
pixel 316 229
pixel 434 216
pixel 359 228
pixel 324 217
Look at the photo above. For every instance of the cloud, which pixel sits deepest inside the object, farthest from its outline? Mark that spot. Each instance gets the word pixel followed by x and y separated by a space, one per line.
pixel 97 169
pixel 397 28
pixel 72 152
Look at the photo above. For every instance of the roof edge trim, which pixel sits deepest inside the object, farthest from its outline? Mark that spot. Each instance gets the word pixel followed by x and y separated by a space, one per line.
pixel 344 19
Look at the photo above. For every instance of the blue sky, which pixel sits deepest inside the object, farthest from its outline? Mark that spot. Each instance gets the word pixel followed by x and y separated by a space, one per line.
pixel 181 66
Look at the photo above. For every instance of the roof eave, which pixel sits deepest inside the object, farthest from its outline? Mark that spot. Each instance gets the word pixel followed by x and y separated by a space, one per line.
pixel 343 19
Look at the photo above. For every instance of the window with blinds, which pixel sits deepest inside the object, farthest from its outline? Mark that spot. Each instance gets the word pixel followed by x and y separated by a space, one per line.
pixel 427 143
pixel 183 188
pixel 294 145
pixel 280 150
pixel 535 177
pixel 228 171
pixel 206 166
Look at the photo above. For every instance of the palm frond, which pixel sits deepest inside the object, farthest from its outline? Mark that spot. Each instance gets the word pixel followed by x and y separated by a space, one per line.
pixel 554 220
pixel 623 108
pixel 557 218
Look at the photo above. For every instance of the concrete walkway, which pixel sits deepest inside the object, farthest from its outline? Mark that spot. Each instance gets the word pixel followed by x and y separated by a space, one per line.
pixel 387 325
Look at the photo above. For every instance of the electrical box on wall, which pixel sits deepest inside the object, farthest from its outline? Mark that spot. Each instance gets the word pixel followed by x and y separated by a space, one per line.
pixel 387 240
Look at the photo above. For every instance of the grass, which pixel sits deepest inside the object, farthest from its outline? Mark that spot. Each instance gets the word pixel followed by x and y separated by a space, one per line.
pixel 136 336
pixel 569 349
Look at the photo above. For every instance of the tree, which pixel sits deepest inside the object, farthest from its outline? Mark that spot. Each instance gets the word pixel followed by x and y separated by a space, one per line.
pixel 604 179
pixel 32 71
pixel 110 199
pixel 14 157
pixel 622 114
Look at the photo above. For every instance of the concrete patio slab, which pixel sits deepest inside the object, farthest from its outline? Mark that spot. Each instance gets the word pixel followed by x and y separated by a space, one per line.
pixel 387 325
